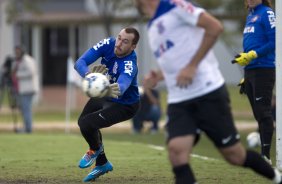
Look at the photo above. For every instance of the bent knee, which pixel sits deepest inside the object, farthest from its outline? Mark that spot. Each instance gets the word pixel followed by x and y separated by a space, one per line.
pixel 181 144
pixel 80 122
pixel 83 125
pixel 175 149
pixel 235 160
pixel 235 154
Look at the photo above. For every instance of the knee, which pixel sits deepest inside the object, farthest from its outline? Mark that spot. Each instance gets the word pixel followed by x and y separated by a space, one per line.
pixel 80 122
pixel 174 149
pixel 235 155
pixel 179 153
pixel 83 125
pixel 235 159
pixel 262 113
pixel 177 149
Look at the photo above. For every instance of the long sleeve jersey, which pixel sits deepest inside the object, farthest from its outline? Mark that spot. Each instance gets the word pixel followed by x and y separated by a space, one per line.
pixel 121 70
pixel 259 35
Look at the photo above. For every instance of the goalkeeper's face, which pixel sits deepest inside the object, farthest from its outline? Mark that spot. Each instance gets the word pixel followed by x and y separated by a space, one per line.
pixel 124 45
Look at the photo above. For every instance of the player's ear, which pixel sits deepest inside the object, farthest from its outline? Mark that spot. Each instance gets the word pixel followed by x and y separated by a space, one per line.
pixel 133 47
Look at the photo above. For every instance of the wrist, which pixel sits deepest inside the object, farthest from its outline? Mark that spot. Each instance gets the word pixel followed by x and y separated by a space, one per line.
pixel 253 54
pixel 86 73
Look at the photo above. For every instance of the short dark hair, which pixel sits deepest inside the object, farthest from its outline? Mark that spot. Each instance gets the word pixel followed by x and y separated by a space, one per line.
pixel 135 32
pixel 21 48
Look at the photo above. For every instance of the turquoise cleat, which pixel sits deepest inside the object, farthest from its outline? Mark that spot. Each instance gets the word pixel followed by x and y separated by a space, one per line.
pixel 90 157
pixel 98 171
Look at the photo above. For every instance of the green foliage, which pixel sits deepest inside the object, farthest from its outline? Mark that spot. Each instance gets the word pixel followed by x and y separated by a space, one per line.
pixel 210 4
pixel 15 7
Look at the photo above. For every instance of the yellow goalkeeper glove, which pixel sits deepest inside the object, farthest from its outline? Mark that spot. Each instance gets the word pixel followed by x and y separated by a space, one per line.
pixel 244 59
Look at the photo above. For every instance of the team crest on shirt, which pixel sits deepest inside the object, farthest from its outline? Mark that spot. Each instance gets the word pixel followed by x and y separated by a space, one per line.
pixel 160 27
pixel 255 18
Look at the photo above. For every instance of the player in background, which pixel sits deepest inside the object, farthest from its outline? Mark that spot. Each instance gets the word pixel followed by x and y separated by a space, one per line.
pixel 181 36
pixel 258 59
pixel 119 62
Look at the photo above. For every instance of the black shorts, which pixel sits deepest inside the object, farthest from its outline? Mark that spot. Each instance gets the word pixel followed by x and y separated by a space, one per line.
pixel 102 113
pixel 210 113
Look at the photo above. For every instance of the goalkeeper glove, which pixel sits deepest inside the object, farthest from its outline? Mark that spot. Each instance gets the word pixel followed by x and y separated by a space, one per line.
pixel 244 59
pixel 100 69
pixel 113 90
pixel 242 86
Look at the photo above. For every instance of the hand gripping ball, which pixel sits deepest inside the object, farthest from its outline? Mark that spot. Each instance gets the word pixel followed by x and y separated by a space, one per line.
pixel 95 85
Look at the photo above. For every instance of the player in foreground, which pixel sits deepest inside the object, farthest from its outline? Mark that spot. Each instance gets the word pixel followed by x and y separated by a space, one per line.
pixel 181 37
pixel 119 62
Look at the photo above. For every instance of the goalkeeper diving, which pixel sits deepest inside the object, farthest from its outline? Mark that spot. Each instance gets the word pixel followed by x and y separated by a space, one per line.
pixel 119 63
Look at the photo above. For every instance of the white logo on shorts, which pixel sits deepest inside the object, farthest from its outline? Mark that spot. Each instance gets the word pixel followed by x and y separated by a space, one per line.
pixel 258 98
pixel 102 116
pixel 226 140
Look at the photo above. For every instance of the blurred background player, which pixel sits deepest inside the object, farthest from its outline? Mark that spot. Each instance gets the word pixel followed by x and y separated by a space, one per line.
pixel 181 36
pixel 258 59
pixel 26 83
pixel 150 110
pixel 119 63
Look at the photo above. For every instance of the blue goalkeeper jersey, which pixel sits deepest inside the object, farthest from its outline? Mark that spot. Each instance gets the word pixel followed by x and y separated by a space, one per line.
pixel 121 70
pixel 259 35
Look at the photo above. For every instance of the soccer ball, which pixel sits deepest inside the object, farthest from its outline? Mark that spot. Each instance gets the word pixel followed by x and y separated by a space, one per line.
pixel 253 139
pixel 95 85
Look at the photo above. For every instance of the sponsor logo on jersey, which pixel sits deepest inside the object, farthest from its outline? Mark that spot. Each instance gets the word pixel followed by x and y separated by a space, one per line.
pixel 101 43
pixel 249 29
pixel 163 48
pixel 271 18
pixel 128 67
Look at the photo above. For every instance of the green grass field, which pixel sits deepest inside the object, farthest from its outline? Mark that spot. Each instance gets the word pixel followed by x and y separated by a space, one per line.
pixel 53 158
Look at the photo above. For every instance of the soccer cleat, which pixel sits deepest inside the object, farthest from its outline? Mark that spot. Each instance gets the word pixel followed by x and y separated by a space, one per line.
pixel 267 160
pixel 89 157
pixel 98 171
